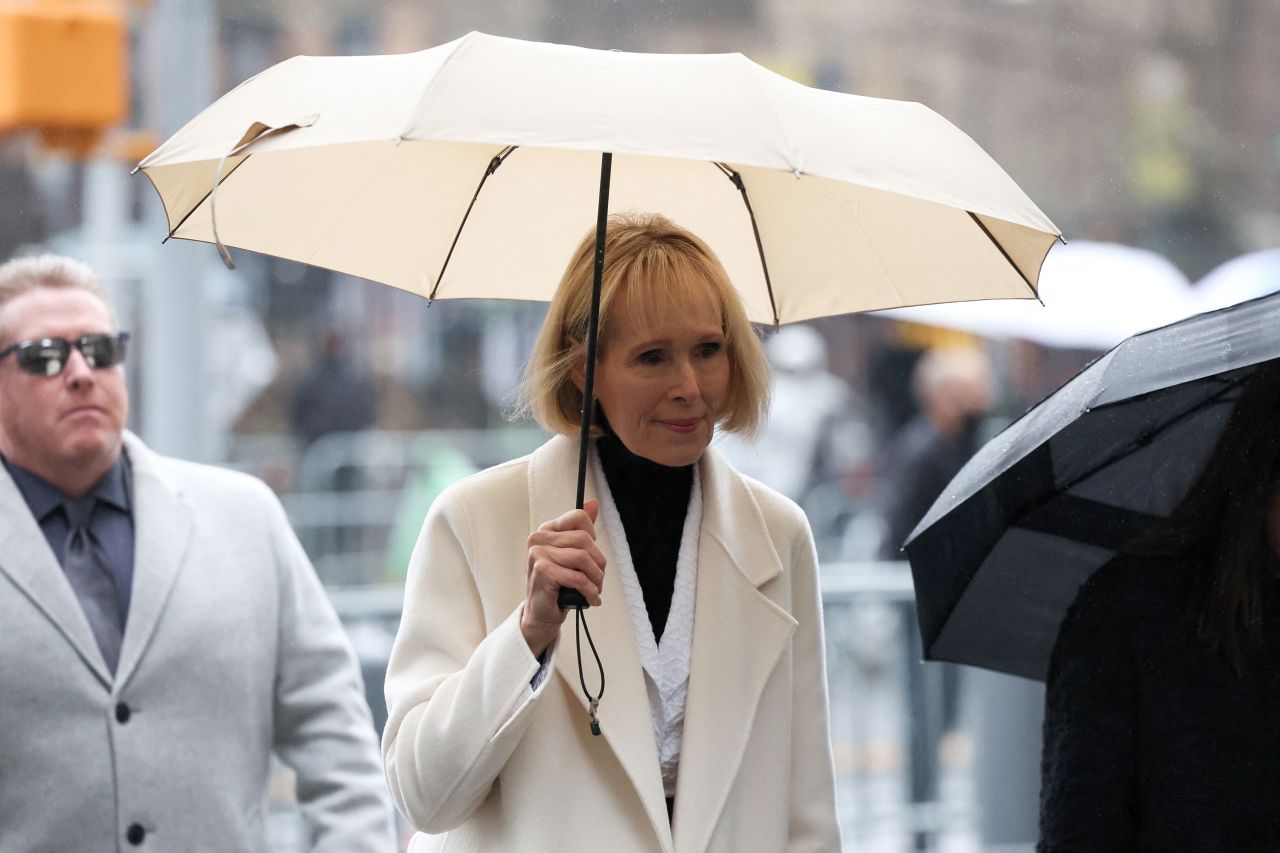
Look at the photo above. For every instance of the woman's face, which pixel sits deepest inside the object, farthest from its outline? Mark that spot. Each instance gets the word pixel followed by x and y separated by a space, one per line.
pixel 662 388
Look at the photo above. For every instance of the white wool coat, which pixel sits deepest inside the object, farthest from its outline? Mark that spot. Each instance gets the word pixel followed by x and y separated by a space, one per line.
pixel 478 765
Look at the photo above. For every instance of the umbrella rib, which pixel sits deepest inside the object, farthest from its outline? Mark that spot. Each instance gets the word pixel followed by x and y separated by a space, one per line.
pixel 1134 446
pixel 996 243
pixel 204 198
pixel 1109 526
pixel 497 161
pixel 736 178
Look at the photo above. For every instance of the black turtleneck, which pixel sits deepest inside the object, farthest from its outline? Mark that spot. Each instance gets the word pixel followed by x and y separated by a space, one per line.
pixel 652 501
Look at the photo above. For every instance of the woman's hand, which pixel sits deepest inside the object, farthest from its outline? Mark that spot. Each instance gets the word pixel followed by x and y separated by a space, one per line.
pixel 562 553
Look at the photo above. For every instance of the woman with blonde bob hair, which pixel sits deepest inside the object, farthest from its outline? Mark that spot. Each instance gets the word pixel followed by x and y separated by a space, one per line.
pixel 658 262
pixel 702 583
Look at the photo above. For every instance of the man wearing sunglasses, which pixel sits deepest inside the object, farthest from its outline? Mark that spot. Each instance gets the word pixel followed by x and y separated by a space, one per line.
pixel 161 630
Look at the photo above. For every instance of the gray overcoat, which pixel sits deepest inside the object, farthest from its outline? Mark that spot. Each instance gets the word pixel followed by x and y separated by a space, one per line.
pixel 231 651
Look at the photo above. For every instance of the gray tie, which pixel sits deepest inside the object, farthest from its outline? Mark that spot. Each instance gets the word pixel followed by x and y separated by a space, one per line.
pixel 92 580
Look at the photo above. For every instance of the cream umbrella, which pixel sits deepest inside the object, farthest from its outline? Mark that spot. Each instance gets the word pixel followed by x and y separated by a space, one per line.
pixel 470 170
pixel 817 202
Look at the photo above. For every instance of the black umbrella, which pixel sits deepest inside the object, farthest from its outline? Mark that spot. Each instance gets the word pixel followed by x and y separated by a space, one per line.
pixel 1001 554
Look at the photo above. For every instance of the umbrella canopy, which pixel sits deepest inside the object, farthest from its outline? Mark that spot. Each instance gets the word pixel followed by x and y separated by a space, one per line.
pixel 1000 556
pixel 1094 296
pixel 817 202
pixel 1246 277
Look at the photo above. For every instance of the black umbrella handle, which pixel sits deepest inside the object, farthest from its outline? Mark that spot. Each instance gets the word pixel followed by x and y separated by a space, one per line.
pixel 567 597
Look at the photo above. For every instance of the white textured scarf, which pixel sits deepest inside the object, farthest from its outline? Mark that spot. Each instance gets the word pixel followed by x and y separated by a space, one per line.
pixel 666 664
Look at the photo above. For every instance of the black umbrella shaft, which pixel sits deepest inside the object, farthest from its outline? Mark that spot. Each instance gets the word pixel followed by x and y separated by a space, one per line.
pixel 571 597
pixel 593 327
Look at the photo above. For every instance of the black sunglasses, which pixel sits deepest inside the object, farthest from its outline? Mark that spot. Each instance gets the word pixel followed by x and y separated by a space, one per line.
pixel 48 356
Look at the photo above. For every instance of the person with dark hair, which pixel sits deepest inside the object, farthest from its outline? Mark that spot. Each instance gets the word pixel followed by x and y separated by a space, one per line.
pixel 334 396
pixel 1161 725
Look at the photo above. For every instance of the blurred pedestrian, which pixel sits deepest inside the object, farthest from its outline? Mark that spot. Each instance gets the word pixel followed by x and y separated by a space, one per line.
pixel 1161 718
pixel 164 633
pixel 709 620
pixel 954 389
pixel 334 396
pixel 812 412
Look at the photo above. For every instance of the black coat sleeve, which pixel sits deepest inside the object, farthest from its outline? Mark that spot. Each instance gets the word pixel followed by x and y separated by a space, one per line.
pixel 1088 796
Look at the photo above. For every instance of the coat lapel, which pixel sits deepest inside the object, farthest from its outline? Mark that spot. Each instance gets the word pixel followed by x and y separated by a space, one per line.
pixel 739 634
pixel 626 726
pixel 25 557
pixel 163 524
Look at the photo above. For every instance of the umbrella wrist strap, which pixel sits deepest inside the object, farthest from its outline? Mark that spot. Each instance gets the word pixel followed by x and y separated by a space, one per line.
pixel 580 625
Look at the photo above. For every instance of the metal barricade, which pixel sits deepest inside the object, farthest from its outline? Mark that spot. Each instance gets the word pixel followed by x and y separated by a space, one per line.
pixel 903 779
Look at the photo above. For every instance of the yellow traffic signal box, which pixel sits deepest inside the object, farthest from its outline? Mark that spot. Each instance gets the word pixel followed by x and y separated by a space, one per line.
pixel 62 65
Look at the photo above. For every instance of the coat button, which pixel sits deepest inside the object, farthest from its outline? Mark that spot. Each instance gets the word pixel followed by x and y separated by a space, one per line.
pixel 135 834
pixel 123 713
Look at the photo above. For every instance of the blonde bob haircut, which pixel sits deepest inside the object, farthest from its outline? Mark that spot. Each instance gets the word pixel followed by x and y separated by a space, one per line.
pixel 653 270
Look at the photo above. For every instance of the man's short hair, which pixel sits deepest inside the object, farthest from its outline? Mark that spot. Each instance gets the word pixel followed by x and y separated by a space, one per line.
pixel 23 275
